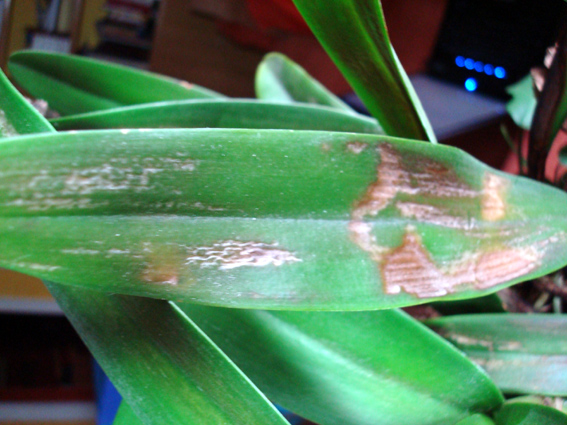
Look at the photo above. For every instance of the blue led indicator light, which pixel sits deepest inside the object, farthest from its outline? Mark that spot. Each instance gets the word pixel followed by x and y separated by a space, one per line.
pixel 499 72
pixel 471 84
pixel 488 69
pixel 460 61
pixel 478 66
pixel 469 63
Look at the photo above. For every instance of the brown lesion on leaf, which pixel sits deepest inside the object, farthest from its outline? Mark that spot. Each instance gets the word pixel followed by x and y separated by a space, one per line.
pixel 428 184
pixel 411 269
pixel 493 205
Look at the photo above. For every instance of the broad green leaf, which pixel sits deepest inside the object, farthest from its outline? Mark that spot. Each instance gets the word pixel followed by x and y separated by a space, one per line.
pixel 163 365
pixel 353 33
pixel 523 103
pixel 529 414
pixel 222 114
pixel 350 368
pixel 126 416
pixel 74 85
pixel 477 419
pixel 280 79
pixel 272 219
pixel 161 362
pixel 522 353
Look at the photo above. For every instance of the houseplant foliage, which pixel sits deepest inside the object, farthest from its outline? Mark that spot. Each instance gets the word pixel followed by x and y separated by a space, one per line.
pixel 149 212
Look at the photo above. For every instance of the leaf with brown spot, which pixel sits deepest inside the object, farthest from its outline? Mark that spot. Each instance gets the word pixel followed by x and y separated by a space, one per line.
pixel 272 219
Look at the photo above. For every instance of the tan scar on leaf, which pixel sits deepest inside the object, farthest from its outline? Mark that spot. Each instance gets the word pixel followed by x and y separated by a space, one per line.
pixel 428 179
pixel 185 84
pixel 410 268
pixel 493 206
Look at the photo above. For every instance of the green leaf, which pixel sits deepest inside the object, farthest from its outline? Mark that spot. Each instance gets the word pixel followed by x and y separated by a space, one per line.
pixel 74 85
pixel 522 353
pixel 17 116
pixel 350 368
pixel 163 365
pixel 523 103
pixel 353 33
pixel 280 79
pixel 477 419
pixel 272 219
pixel 126 416
pixel 529 414
pixel 220 113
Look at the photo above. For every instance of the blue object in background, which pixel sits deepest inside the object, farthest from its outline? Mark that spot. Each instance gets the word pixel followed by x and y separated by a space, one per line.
pixel 499 72
pixel 107 397
pixel 471 84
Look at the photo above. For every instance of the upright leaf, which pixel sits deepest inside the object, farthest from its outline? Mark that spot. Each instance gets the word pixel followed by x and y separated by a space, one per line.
pixel 166 368
pixel 280 79
pixel 350 368
pixel 220 113
pixel 74 85
pixel 17 116
pixel 353 33
pixel 272 219
pixel 529 414
pixel 522 353
pixel 550 112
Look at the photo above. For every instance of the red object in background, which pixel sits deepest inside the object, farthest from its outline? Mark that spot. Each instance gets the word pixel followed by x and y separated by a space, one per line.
pixel 278 14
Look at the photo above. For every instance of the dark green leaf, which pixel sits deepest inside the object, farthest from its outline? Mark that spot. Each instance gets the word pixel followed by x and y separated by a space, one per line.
pixel 522 106
pixel 487 304
pixel 522 353
pixel 477 419
pixel 220 113
pixel 550 112
pixel 74 85
pixel 272 219
pixel 280 79
pixel 529 414
pixel 165 367
pixel 350 368
pixel 354 34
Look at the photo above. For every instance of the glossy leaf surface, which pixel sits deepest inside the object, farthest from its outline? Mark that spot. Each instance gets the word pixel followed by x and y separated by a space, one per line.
pixel 522 353
pixel 523 103
pixel 280 79
pixel 477 419
pixel 165 367
pixel 74 84
pixel 529 414
pixel 222 114
pixel 353 33
pixel 350 368
pixel 272 219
